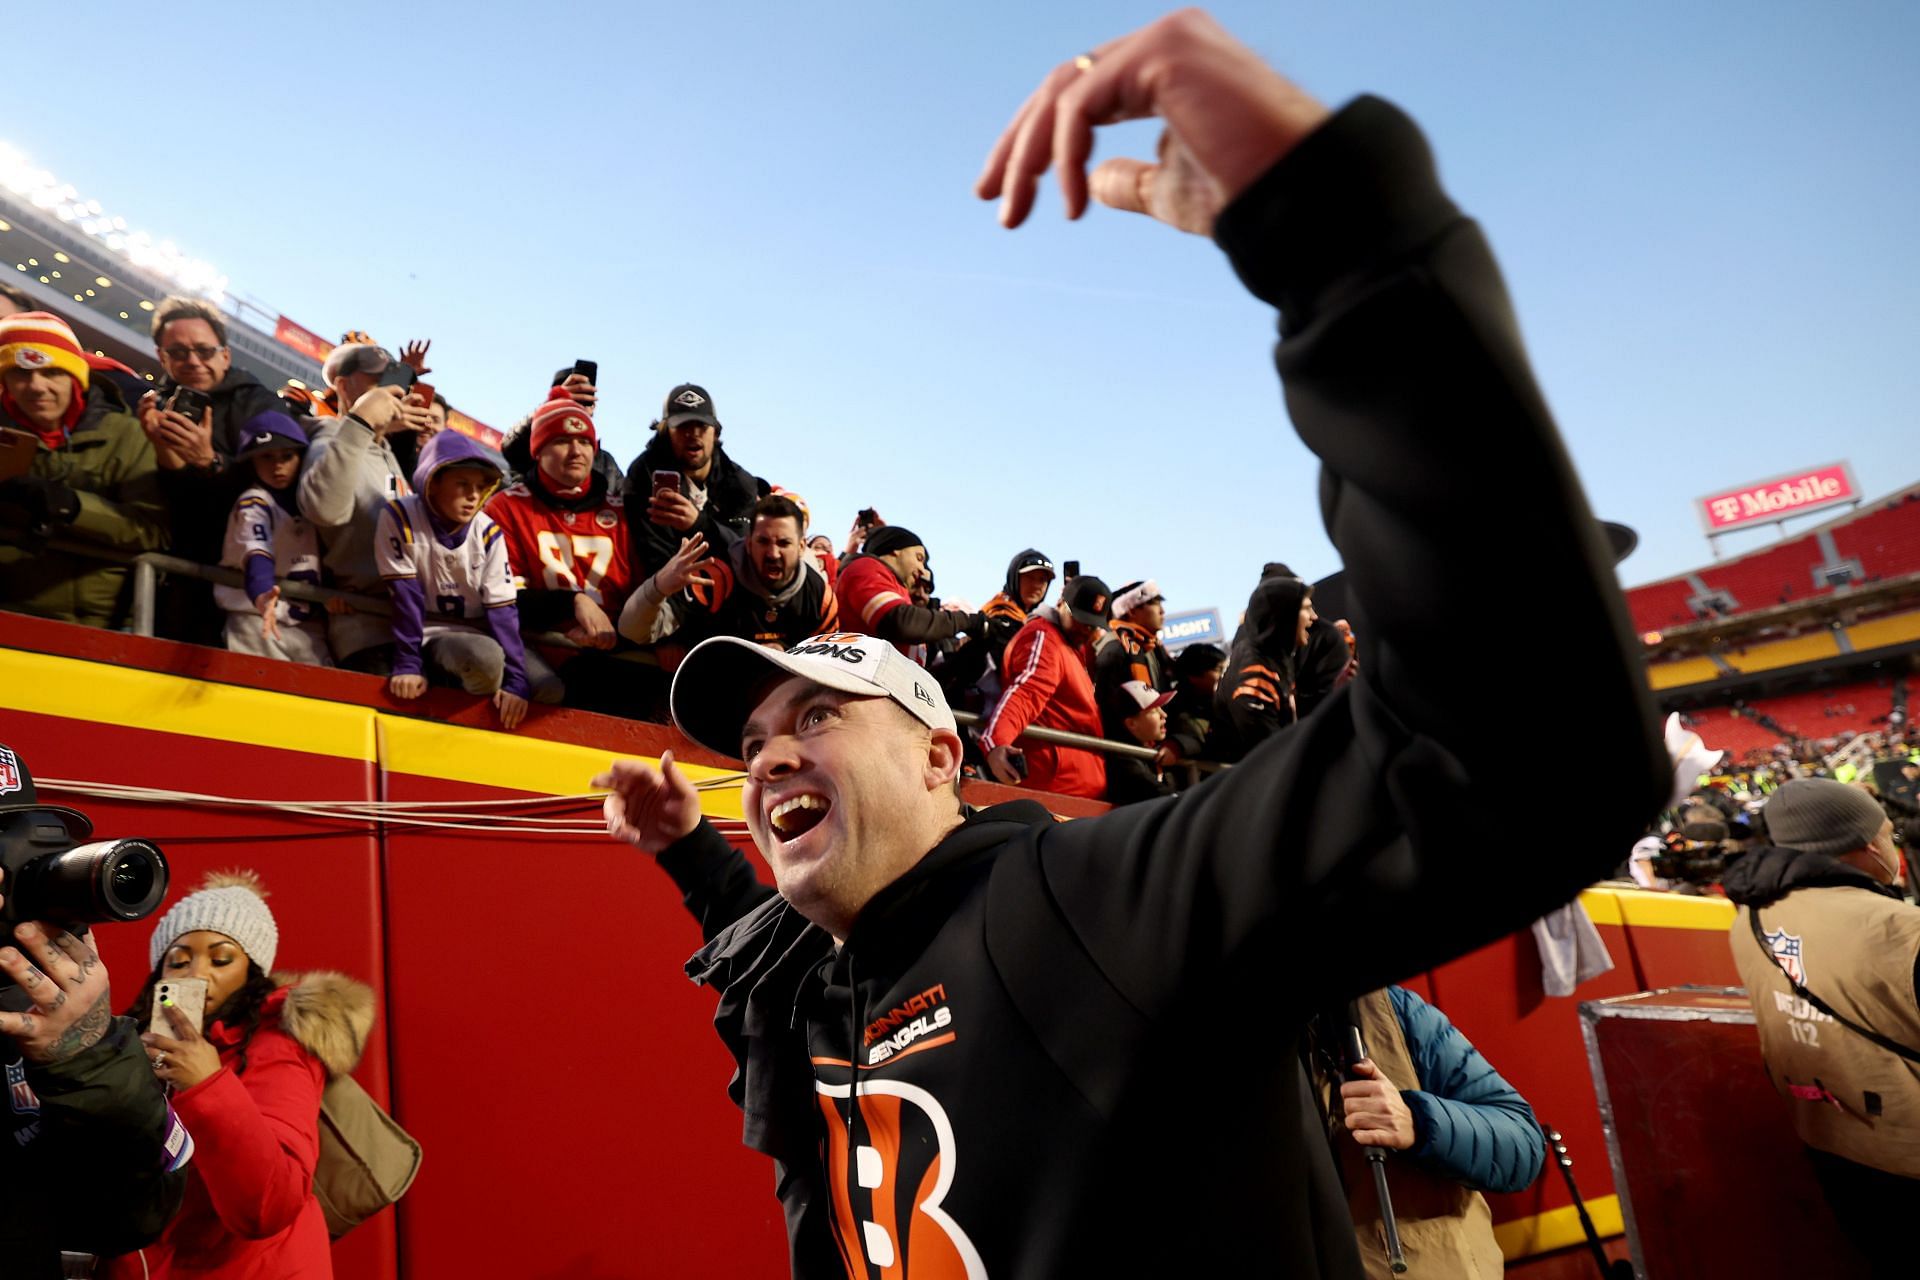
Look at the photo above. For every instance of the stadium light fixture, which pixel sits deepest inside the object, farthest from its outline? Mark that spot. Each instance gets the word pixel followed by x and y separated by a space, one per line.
pixel 38 187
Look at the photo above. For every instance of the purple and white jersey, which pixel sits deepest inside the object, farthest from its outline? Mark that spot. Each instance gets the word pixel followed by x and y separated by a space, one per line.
pixel 462 582
pixel 261 527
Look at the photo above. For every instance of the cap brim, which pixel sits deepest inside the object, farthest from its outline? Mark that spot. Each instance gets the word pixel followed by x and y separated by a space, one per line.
pixel 723 678
pixel 681 419
pixel 1087 617
pixel 79 825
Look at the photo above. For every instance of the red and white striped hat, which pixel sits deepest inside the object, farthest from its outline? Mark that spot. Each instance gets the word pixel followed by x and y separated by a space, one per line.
pixel 560 416
pixel 36 340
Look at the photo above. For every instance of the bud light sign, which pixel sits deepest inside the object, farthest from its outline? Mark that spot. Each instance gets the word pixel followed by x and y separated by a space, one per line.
pixel 1195 626
pixel 1792 494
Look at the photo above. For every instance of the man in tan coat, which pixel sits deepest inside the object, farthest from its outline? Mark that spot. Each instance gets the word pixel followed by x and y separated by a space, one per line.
pixel 1828 949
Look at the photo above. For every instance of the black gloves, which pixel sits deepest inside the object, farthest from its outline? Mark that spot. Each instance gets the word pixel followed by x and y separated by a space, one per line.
pixel 46 502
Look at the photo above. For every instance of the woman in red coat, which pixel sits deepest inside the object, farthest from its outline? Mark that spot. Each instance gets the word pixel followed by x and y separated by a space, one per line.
pixel 248 1089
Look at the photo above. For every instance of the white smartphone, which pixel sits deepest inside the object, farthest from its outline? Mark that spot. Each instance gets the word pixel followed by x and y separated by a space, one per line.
pixel 188 994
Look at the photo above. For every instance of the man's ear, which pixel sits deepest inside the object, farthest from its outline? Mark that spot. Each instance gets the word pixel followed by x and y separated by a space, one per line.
pixel 944 753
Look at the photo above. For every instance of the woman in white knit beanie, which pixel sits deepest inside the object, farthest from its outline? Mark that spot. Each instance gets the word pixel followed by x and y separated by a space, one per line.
pixel 247 1083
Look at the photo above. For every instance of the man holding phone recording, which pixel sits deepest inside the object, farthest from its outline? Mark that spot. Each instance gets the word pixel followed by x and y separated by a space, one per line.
pixel 688 483
pixel 351 473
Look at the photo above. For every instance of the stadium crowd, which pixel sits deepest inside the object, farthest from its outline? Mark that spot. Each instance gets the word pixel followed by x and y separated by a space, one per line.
pixel 550 573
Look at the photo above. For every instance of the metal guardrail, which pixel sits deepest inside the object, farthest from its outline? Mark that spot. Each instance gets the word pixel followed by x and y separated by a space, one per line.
pixel 147 567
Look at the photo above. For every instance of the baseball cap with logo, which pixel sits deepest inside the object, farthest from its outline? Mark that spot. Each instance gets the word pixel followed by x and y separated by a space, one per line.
pixel 687 403
pixel 1088 600
pixel 270 430
pixel 724 678
pixel 18 796
pixel 1136 696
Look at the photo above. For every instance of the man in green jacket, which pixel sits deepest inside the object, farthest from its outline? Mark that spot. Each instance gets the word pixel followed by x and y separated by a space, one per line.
pixel 91 478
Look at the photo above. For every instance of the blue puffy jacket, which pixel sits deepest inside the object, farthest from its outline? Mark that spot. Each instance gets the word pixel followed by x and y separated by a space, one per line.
pixel 1471 1124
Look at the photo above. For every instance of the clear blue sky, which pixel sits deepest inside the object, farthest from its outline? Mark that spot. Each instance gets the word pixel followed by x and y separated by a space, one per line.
pixel 1706 213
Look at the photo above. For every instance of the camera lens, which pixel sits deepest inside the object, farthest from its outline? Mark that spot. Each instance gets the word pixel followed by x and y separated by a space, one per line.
pixel 130 877
pixel 94 883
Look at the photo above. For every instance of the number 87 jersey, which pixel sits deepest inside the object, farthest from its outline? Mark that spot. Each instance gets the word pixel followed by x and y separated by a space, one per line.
pixel 559 545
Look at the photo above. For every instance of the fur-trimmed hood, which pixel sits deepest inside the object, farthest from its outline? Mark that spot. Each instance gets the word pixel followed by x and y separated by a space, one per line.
pixel 329 1014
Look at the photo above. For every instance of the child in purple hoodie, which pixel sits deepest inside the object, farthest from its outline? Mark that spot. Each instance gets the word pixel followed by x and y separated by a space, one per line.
pixel 445 561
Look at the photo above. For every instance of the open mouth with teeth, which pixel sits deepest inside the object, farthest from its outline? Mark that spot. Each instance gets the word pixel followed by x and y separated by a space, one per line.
pixel 794 817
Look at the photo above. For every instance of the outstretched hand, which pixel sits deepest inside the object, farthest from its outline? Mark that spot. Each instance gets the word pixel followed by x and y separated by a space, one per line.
pixel 1228 116
pixel 689 564
pixel 646 806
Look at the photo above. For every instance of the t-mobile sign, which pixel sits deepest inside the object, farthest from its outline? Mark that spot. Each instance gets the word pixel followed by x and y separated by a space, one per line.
pixel 1192 627
pixel 1792 494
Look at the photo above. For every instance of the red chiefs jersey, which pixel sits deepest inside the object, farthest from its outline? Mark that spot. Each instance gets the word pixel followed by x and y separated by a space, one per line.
pixel 587 551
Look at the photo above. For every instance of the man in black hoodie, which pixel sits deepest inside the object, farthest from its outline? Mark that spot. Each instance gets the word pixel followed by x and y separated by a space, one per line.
pixel 1821 918
pixel 683 483
pixel 989 1043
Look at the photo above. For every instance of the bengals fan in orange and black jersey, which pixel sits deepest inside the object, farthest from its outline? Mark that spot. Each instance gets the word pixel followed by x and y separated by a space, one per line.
pixel 768 589
pixel 567 537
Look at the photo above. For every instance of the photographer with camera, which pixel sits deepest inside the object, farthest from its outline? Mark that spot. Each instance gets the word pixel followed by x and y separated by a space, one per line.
pixel 351 473
pixel 74 465
pixel 97 1160
pixel 1830 955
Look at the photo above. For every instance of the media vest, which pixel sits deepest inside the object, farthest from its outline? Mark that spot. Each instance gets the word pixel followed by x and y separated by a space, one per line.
pixel 1855 949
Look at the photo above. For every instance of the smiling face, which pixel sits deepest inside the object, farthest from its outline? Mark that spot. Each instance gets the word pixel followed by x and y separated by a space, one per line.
pixel 43 395
pixel 192 354
pixel 213 956
pixel 844 794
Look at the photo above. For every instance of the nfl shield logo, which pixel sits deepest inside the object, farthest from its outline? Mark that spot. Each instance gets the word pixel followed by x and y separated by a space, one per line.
pixel 25 1103
pixel 9 772
pixel 1786 950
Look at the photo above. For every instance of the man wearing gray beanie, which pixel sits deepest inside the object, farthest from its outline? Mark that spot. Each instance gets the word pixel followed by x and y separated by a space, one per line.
pixel 1820 912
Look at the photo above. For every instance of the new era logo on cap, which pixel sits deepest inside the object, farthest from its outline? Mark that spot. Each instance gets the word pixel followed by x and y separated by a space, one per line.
pixel 723 678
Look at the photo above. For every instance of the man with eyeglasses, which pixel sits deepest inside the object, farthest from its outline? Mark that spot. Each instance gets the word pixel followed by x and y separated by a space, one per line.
pixel 194 450
pixel 190 337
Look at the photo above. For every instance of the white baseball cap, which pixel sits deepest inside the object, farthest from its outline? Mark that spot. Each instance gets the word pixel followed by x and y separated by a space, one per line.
pixel 724 678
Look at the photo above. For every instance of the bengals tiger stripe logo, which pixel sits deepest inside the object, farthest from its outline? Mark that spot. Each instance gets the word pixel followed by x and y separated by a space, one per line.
pixel 887 1215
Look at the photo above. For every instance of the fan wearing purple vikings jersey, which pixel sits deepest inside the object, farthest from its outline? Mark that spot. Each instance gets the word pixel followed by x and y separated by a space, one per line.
pixel 445 562
pixel 269 541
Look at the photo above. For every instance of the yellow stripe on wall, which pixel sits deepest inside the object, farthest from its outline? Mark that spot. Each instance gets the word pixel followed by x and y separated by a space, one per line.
pixel 1650 910
pixel 106 694
pixel 430 749
pixel 1557 1228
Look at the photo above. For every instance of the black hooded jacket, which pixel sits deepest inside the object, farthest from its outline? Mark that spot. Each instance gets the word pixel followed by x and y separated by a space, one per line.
pixel 731 492
pixel 1256 695
pixel 1010 1028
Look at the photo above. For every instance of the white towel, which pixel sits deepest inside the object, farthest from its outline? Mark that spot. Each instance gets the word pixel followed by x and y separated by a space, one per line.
pixel 1571 949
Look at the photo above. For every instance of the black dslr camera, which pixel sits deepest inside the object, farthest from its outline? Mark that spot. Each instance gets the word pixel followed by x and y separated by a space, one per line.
pixel 49 877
